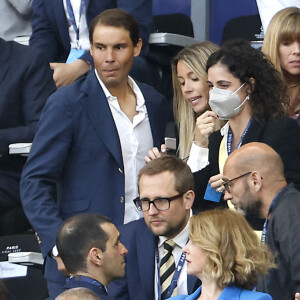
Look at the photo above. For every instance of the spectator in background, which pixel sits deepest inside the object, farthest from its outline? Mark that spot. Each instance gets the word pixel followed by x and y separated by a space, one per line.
pixel 282 46
pixel 227 256
pixel 25 84
pixel 78 294
pixel 90 249
pixel 53 31
pixel 255 184
pixel 15 18
pixel 92 139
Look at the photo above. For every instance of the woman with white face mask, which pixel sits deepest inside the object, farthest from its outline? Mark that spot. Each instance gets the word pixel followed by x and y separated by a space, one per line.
pixel 246 90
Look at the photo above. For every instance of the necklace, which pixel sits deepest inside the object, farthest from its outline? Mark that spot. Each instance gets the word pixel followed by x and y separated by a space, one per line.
pixel 293 85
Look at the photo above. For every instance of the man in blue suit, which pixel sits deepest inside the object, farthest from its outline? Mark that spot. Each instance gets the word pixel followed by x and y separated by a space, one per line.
pixel 52 31
pixel 90 248
pixel 92 139
pixel 25 84
pixel 166 197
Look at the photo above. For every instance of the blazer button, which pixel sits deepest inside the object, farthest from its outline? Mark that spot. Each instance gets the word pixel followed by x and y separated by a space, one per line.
pixel 122 199
pixel 120 170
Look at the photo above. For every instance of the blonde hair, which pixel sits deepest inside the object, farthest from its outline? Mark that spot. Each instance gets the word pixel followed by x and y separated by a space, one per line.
pixel 283 27
pixel 195 57
pixel 234 252
pixel 77 293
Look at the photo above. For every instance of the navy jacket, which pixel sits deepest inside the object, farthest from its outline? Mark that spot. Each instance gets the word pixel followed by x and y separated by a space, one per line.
pixel 140 265
pixel 50 30
pixel 25 84
pixel 77 150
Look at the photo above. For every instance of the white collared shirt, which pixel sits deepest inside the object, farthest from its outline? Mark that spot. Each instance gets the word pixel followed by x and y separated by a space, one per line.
pixel 198 158
pixel 84 42
pixel 135 139
pixel 180 241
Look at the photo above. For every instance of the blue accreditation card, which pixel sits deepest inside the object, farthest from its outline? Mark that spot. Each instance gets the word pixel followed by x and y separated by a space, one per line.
pixel 211 194
pixel 74 55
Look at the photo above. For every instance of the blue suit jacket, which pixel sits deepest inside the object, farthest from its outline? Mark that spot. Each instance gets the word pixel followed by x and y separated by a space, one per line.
pixel 50 26
pixel 140 265
pixel 231 292
pixel 77 148
pixel 25 84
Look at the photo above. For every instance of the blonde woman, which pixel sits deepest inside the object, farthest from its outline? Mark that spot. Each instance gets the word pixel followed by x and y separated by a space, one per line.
pixel 282 46
pixel 227 256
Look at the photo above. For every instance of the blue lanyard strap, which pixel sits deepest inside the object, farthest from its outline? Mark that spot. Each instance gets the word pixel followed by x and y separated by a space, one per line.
pixel 72 16
pixel 174 278
pixel 265 228
pixel 230 137
pixel 89 280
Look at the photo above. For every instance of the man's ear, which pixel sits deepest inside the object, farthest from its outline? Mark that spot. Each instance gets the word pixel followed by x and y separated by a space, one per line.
pixel 256 181
pixel 95 256
pixel 188 199
pixel 138 47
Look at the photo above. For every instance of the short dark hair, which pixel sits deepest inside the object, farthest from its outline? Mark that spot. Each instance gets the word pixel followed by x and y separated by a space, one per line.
pixel 183 176
pixel 268 98
pixel 77 235
pixel 116 17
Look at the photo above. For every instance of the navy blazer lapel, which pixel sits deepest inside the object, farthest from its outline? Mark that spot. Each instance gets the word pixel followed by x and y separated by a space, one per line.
pixel 99 113
pixel 62 23
pixel 254 133
pixel 146 245
pixel 154 118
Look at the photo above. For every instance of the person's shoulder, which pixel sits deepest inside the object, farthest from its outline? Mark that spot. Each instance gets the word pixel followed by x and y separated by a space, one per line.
pixel 148 90
pixel 283 123
pixel 246 294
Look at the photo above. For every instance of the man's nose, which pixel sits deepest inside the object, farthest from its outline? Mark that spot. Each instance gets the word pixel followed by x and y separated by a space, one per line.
pixel 227 195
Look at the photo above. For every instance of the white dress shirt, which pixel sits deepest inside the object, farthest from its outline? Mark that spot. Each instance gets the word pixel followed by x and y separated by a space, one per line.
pixel 135 139
pixel 84 42
pixel 198 158
pixel 180 241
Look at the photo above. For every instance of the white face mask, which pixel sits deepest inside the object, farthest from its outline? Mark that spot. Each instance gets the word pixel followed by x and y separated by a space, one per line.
pixel 225 103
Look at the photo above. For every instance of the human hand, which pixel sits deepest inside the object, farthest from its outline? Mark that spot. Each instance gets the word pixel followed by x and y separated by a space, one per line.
pixel 297 296
pixel 61 266
pixel 216 182
pixel 205 126
pixel 155 153
pixel 65 74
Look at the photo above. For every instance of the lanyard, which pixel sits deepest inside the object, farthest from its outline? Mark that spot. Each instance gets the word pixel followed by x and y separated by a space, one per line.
pixel 91 281
pixel 265 228
pixel 230 138
pixel 72 17
pixel 175 276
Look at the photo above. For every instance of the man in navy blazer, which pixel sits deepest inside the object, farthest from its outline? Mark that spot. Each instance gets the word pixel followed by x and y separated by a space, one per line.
pixel 92 139
pixel 50 32
pixel 25 84
pixel 166 197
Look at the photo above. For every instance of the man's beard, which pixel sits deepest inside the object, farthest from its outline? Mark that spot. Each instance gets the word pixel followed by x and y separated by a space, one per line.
pixel 250 205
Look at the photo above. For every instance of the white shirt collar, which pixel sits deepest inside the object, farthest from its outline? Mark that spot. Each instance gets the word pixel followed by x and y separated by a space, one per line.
pixel 140 101
pixel 224 129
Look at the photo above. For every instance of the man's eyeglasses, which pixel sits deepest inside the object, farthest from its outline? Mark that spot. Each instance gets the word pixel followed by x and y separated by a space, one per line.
pixel 161 203
pixel 228 183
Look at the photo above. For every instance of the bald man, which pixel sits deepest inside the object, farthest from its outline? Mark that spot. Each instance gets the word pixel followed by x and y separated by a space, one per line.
pixel 255 184
pixel 78 294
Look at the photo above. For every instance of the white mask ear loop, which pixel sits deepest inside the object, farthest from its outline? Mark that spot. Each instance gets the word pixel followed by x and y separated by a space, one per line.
pixel 247 98
pixel 239 88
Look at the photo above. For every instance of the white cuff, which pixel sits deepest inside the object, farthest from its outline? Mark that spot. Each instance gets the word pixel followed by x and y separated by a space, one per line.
pixel 198 158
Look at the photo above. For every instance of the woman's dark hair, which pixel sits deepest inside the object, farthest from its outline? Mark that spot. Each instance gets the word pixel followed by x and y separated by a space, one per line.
pixel 268 99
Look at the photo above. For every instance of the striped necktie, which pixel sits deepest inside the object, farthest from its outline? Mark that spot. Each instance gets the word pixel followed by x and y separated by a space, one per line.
pixel 167 269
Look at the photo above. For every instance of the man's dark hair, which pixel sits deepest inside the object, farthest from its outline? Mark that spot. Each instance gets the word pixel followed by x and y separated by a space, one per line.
pixel 116 18
pixel 77 235
pixel 183 177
